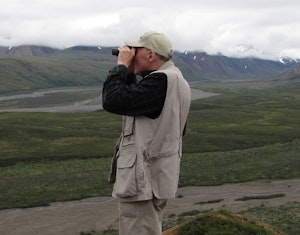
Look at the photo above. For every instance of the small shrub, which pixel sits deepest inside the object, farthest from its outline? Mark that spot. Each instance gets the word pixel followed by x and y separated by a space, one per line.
pixel 260 197
pixel 224 222
pixel 209 202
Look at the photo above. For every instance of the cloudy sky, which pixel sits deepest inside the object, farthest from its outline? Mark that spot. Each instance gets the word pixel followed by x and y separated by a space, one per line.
pixel 264 28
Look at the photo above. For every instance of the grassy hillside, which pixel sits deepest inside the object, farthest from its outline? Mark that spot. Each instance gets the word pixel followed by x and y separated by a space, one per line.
pixel 27 73
pixel 241 135
pixel 251 131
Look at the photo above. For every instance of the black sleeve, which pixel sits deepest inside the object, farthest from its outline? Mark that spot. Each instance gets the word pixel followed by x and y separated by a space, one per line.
pixel 123 94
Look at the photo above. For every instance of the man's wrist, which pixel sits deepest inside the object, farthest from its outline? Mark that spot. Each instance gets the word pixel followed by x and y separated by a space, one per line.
pixel 119 69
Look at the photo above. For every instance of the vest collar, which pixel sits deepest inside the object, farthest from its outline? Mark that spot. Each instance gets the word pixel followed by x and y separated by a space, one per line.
pixel 167 64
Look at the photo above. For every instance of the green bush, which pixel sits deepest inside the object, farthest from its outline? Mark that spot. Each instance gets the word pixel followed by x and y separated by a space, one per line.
pixel 224 223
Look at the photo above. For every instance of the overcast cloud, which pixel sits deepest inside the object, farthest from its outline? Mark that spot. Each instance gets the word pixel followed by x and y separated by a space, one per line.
pixel 270 28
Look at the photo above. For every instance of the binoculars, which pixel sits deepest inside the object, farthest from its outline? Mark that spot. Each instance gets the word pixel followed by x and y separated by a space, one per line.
pixel 115 51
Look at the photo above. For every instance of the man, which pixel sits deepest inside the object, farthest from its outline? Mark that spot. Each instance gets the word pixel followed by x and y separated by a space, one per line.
pixel 154 99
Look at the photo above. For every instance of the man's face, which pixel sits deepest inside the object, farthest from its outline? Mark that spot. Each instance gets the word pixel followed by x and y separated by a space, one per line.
pixel 141 60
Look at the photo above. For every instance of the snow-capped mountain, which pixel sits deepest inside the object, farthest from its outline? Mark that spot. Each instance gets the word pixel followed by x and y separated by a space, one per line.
pixel 248 50
pixel 288 60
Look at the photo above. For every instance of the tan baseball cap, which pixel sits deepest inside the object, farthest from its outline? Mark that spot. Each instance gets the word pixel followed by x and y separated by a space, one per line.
pixel 157 42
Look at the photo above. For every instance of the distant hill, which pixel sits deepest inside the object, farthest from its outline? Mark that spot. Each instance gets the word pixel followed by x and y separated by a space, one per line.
pixel 76 52
pixel 292 73
pixel 201 66
pixel 35 67
pixel 26 51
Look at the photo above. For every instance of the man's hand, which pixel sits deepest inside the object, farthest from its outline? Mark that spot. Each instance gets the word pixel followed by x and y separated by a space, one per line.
pixel 126 55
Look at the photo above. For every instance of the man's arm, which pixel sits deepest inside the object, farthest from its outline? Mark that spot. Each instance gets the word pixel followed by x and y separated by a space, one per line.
pixel 123 95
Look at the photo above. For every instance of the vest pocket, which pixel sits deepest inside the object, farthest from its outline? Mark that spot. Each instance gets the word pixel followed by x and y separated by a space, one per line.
pixel 126 184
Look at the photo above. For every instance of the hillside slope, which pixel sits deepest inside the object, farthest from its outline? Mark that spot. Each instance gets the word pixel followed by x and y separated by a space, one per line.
pixel 36 67
pixel 292 73
pixel 201 66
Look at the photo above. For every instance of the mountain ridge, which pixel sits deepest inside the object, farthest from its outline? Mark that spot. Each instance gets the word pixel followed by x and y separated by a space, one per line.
pixel 292 73
pixel 33 67
pixel 241 51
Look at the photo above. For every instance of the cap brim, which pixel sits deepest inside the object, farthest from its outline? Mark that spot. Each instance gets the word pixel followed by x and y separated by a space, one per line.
pixel 133 43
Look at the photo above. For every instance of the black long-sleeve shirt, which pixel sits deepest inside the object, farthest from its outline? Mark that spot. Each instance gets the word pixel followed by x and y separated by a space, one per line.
pixel 125 95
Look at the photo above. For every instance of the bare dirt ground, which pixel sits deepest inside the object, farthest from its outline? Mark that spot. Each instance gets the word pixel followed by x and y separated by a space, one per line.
pixel 74 217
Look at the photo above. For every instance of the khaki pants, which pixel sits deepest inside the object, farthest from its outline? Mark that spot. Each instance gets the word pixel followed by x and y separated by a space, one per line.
pixel 142 217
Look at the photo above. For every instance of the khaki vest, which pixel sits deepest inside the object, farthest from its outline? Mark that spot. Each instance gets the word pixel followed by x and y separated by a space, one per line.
pixel 150 149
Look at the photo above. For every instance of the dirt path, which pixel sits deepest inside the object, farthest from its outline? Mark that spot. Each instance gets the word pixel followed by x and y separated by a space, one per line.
pixel 71 218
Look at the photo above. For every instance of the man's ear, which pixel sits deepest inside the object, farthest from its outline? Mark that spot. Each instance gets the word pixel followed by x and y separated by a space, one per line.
pixel 151 55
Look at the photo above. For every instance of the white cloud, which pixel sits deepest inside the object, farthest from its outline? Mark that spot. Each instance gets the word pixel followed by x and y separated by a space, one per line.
pixel 269 26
